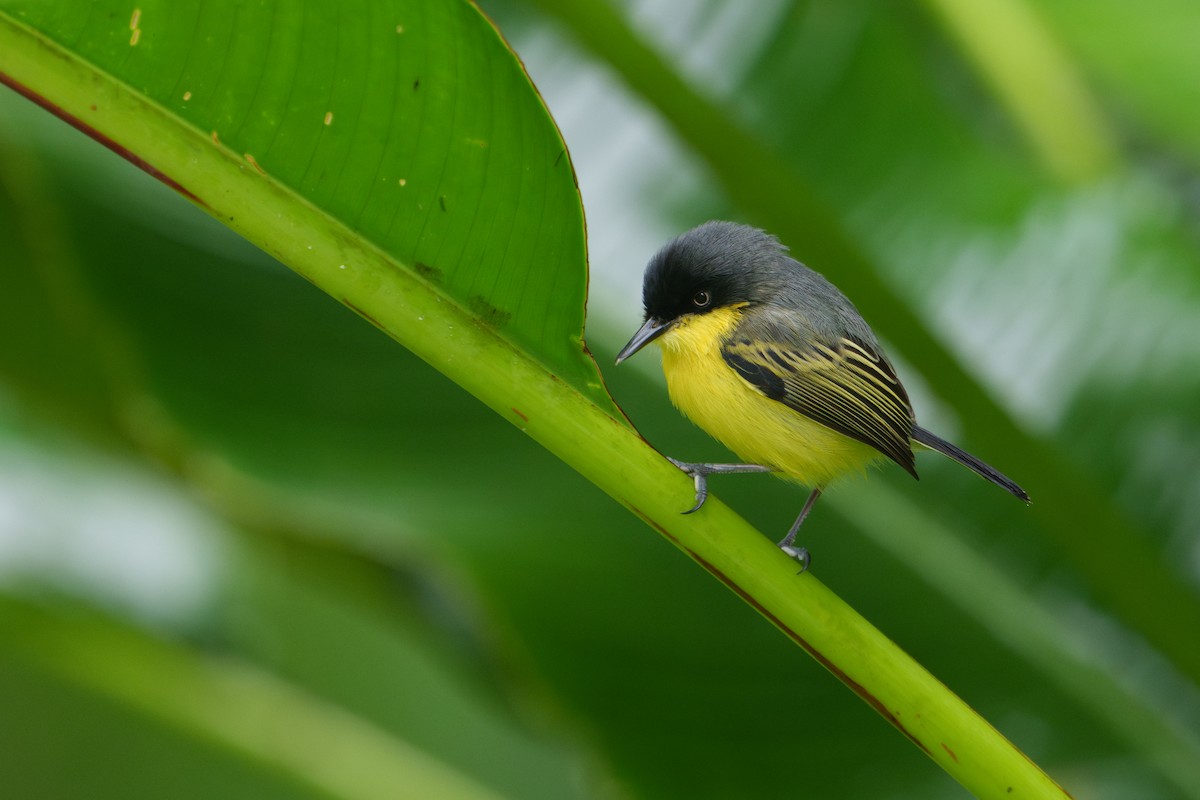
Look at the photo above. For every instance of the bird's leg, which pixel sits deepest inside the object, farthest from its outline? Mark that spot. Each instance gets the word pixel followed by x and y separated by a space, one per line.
pixel 700 473
pixel 786 543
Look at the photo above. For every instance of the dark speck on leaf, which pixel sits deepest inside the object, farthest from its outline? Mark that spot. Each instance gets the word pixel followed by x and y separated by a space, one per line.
pixel 489 312
pixel 442 202
pixel 561 153
pixel 431 274
pixel 416 84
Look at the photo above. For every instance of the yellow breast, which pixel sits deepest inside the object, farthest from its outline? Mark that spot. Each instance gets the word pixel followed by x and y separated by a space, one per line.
pixel 760 430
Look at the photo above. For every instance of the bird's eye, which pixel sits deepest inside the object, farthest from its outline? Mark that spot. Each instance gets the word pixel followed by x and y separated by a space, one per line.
pixel 701 299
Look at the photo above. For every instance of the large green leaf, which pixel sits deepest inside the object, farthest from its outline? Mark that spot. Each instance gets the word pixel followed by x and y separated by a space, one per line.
pixel 453 181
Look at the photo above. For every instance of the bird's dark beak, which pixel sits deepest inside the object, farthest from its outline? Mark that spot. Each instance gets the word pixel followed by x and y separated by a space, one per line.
pixel 651 330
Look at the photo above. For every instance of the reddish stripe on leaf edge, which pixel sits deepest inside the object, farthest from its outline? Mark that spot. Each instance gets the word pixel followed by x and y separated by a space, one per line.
pixel 88 130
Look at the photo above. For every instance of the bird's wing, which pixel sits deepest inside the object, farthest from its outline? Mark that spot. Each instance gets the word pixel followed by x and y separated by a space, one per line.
pixel 845 385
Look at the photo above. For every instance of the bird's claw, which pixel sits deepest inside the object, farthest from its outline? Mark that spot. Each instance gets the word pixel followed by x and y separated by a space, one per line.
pixel 699 477
pixel 798 553
pixel 701 471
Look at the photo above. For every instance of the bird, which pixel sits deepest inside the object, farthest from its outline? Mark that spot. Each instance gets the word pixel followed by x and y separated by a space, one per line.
pixel 772 360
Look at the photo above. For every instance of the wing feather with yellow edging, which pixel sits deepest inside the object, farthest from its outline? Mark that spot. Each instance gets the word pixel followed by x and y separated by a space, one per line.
pixel 845 385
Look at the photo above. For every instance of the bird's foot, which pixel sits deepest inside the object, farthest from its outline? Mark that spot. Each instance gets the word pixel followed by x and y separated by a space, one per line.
pixel 700 473
pixel 798 553
pixel 788 543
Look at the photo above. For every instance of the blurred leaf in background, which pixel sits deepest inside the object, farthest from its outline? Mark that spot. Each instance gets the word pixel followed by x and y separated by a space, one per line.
pixel 220 489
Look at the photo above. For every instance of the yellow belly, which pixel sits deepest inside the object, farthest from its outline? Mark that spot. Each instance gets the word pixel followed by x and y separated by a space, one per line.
pixel 760 430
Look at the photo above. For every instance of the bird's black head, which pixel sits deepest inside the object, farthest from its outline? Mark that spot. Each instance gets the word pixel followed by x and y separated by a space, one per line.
pixel 716 265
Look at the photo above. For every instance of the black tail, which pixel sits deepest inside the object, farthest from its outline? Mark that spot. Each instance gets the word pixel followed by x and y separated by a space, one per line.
pixel 969 461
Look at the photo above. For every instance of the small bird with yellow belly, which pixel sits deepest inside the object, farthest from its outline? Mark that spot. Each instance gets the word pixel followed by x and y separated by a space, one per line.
pixel 777 364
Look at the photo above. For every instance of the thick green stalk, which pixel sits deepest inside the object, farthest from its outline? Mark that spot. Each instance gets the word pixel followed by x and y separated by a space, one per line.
pixel 1025 626
pixel 400 302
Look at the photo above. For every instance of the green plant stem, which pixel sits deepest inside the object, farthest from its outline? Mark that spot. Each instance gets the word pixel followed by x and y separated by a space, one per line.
pixel 1024 625
pixel 323 749
pixel 518 387
pixel 1080 519
pixel 1017 57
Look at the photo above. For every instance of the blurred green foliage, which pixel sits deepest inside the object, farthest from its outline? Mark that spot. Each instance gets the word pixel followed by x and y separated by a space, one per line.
pixel 346 525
